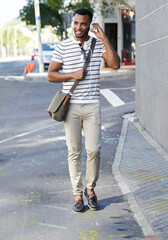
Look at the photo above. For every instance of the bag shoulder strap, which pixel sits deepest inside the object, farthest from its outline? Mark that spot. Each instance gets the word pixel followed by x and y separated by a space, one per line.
pixel 85 64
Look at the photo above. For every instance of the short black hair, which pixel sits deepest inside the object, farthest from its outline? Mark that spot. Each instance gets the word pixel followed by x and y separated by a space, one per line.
pixel 84 11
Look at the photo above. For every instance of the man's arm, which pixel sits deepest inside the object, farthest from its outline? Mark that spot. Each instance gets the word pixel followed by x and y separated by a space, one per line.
pixel 110 56
pixel 55 76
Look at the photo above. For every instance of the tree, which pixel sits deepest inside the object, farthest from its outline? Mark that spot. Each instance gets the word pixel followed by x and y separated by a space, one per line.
pixel 55 3
pixel 49 16
pixel 73 6
pixel 22 39
pixel 108 6
pixel 84 4
pixel 14 37
pixel 53 13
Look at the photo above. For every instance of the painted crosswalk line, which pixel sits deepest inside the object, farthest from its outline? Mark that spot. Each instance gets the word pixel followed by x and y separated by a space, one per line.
pixel 112 98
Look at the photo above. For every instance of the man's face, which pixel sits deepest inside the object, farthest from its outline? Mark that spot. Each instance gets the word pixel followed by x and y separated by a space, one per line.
pixel 81 25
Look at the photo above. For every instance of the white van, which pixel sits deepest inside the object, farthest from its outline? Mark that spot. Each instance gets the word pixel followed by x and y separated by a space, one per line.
pixel 48 49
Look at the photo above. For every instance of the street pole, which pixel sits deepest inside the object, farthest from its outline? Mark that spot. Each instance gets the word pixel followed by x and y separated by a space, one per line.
pixel 38 26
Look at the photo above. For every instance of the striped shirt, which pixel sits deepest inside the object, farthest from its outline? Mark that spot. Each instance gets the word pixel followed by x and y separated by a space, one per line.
pixel 69 54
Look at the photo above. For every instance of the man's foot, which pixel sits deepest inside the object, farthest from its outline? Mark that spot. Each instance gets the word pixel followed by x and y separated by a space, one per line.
pixel 79 205
pixel 92 199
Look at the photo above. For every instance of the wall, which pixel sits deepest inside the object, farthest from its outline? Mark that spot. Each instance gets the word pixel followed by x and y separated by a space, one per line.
pixel 152 67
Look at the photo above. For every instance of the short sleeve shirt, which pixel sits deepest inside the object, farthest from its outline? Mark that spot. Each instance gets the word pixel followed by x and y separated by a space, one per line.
pixel 69 53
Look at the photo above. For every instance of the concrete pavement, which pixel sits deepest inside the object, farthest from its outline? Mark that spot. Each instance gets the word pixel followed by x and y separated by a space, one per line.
pixel 36 194
pixel 141 170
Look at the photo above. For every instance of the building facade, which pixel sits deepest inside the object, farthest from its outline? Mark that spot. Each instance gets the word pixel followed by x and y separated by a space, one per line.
pixel 151 68
pixel 120 30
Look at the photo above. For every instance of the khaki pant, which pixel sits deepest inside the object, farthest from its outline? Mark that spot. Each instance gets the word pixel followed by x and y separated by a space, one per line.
pixel 86 117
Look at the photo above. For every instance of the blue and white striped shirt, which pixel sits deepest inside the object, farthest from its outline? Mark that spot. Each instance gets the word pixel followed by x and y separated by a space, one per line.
pixel 69 54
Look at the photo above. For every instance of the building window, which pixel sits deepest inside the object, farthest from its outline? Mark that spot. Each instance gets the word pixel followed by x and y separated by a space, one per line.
pixel 111 32
pixel 129 48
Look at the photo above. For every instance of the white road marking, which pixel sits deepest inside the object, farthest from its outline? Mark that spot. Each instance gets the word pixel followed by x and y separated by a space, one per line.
pixel 56 207
pixel 26 133
pixel 53 226
pixel 16 136
pixel 112 98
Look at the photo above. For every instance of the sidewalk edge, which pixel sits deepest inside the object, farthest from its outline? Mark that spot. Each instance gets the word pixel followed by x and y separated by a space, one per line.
pixel 140 217
pixel 152 141
pixel 104 76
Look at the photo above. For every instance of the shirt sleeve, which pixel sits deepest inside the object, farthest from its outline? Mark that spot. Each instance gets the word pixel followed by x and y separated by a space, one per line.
pixel 103 48
pixel 57 54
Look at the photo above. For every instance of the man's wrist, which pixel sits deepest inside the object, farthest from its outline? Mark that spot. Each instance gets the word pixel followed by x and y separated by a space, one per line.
pixel 72 75
pixel 105 38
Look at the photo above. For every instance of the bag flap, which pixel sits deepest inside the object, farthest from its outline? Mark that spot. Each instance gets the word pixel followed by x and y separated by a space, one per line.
pixel 57 100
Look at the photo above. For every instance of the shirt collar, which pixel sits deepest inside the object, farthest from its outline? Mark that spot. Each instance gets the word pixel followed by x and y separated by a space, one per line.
pixel 87 43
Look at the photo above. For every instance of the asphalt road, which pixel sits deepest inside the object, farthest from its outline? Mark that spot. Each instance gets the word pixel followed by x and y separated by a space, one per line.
pixel 36 196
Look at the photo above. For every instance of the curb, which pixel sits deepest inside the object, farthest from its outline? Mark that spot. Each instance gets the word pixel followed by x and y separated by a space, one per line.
pixel 104 76
pixel 36 76
pixel 140 217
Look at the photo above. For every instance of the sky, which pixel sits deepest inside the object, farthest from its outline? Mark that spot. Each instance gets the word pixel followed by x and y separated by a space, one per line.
pixel 9 9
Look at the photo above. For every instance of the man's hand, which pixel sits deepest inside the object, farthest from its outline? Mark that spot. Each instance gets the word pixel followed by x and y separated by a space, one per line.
pixel 98 31
pixel 55 76
pixel 80 74
pixel 110 55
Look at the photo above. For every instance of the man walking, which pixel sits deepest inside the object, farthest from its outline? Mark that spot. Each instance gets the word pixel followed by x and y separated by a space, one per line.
pixel 84 110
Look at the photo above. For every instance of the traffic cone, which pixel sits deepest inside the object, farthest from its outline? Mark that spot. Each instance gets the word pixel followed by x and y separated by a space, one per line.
pixel 34 65
pixel 31 67
pixel 25 70
pixel 28 67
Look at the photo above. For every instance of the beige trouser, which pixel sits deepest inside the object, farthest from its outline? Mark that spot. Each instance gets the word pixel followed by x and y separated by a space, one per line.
pixel 86 117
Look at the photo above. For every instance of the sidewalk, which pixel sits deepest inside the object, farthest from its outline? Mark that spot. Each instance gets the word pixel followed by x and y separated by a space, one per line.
pixel 141 170
pixel 105 74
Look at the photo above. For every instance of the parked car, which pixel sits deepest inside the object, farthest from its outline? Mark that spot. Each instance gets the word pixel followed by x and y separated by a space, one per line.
pixel 48 49
pixel 34 53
